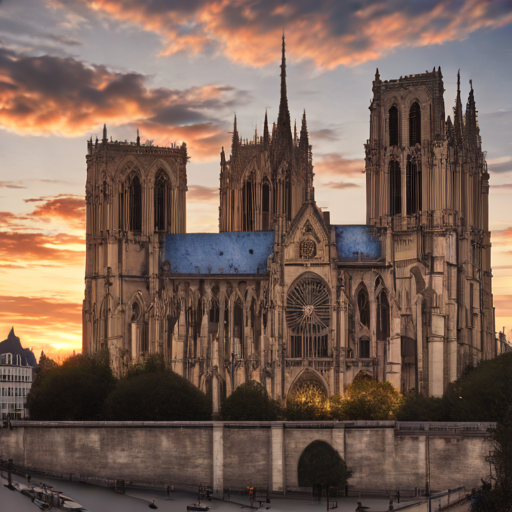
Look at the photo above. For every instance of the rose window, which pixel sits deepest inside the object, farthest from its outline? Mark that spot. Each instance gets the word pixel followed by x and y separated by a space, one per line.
pixel 308 317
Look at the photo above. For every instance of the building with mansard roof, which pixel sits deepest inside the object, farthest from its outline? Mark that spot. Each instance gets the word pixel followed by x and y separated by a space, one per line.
pixel 280 295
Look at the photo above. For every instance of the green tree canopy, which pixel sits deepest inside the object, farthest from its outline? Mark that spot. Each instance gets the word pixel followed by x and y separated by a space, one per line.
pixel 367 399
pixel 250 402
pixel 150 392
pixel 74 391
pixel 321 465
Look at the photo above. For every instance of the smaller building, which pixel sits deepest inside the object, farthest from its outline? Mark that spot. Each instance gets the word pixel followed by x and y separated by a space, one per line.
pixel 16 376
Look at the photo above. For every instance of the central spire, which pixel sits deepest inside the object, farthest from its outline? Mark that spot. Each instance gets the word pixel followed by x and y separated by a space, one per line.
pixel 283 119
pixel 283 146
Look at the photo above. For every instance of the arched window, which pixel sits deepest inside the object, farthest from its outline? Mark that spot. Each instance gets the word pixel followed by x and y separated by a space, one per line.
pixel 238 329
pixel 265 205
pixel 395 188
pixel 393 126
pixel 161 200
pixel 382 316
pixel 363 305
pixel 122 221
pixel 308 317
pixel 364 348
pixel 414 124
pixel 413 186
pixel 247 202
pixel 135 205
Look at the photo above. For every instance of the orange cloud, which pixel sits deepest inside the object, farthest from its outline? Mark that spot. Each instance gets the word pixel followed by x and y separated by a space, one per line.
pixel 60 248
pixel 70 208
pixel 502 236
pixel 329 33
pixel 336 164
pixel 47 94
pixel 339 185
pixel 503 305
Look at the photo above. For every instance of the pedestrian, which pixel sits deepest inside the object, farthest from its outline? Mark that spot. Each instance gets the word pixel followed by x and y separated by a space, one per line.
pixel 390 505
pixel 168 491
pixel 360 507
pixel 397 495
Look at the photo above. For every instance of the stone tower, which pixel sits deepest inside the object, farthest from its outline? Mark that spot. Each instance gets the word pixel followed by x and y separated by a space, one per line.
pixel 428 193
pixel 135 195
pixel 268 177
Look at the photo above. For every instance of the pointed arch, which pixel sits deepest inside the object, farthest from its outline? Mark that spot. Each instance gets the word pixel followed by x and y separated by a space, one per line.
pixel 383 318
pixel 161 166
pixel 308 375
pixel 126 166
pixel 413 186
pixel 265 204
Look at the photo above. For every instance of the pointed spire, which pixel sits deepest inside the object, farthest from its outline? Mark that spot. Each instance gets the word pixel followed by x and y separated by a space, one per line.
pixel 256 134
pixel 304 138
pixel 104 133
pixel 457 113
pixel 377 75
pixel 138 138
pixel 283 142
pixel 295 133
pixel 266 139
pixel 472 131
pixel 235 140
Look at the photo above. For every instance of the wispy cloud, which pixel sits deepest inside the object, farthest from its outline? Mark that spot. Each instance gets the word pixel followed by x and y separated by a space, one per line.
pixel 339 185
pixel 201 193
pixel 337 164
pixel 329 33
pixel 47 94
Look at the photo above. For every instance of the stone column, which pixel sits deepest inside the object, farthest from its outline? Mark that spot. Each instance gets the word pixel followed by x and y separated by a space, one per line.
pixel 218 457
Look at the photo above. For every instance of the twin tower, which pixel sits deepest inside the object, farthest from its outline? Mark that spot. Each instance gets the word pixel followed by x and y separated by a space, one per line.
pixel 280 295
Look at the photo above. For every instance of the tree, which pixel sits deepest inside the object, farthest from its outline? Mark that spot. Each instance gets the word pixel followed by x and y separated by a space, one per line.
pixel 74 391
pixel 418 407
pixel 307 403
pixel 150 392
pixel 250 402
pixel 321 466
pixel 367 399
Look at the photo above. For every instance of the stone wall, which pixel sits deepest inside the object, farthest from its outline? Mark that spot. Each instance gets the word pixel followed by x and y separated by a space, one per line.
pixel 382 455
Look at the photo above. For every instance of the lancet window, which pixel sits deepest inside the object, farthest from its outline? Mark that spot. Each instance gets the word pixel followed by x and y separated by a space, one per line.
pixel 395 188
pixel 135 205
pixel 248 206
pixel 363 305
pixel 414 124
pixel 364 348
pixel 382 316
pixel 265 206
pixel 308 317
pixel 393 126
pixel 238 328
pixel 161 201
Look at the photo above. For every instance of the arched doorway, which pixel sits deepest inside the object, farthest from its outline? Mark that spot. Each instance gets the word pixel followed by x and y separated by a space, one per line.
pixel 322 468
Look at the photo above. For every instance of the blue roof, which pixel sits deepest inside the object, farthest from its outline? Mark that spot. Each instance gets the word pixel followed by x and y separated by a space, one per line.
pixel 239 252
pixel 357 243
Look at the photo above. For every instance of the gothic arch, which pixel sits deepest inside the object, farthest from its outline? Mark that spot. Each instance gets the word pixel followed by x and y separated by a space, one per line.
pixel 393 125
pixel 414 114
pixel 420 282
pixel 160 165
pixel 127 165
pixel 308 375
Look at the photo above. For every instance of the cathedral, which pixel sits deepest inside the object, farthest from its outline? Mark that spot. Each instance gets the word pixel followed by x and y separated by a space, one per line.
pixel 280 295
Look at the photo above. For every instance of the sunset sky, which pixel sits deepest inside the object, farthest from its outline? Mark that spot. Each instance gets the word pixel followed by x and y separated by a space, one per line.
pixel 178 71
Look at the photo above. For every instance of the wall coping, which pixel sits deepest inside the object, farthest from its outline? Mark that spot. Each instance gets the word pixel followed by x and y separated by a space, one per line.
pixel 401 426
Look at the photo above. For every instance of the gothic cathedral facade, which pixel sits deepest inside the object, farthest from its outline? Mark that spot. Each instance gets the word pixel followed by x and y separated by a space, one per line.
pixel 280 295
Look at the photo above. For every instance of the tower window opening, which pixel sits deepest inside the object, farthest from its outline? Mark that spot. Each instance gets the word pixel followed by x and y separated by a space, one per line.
pixel 161 193
pixel 395 188
pixel 393 126
pixel 238 329
pixel 414 124
pixel 363 305
pixel 413 186
pixel 135 205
